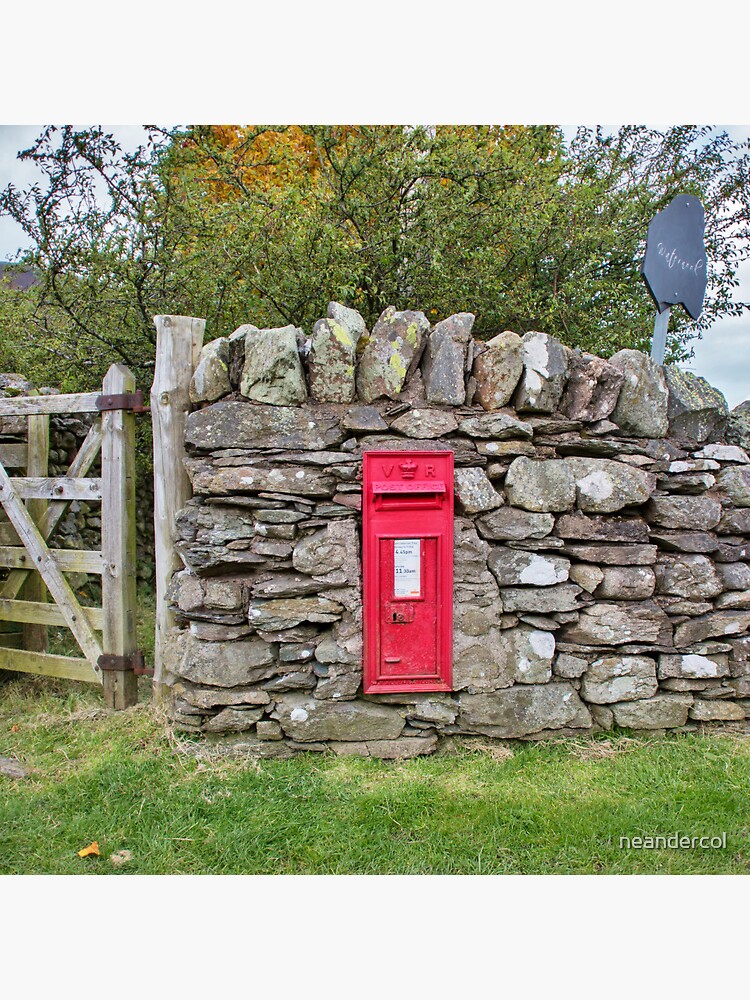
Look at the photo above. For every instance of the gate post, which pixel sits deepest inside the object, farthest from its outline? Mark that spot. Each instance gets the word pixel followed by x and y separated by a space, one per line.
pixel 178 345
pixel 118 539
pixel 35 637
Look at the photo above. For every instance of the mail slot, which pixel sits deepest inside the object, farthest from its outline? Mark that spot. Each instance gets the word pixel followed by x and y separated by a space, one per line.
pixel 407 556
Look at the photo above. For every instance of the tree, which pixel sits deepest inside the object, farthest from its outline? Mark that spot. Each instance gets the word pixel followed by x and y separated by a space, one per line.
pixel 266 224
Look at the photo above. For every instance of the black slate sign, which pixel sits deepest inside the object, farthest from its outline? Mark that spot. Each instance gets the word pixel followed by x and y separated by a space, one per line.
pixel 675 263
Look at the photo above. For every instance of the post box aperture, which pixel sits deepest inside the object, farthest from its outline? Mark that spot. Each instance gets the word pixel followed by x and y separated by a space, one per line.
pixel 407 556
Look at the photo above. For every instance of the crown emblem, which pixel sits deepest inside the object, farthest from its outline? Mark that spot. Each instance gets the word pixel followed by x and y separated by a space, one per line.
pixel 407 470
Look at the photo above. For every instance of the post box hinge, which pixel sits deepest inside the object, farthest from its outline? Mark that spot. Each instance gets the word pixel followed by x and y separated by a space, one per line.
pixel 122 401
pixel 129 661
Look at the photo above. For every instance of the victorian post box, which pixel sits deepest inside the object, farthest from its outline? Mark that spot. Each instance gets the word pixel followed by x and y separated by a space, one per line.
pixel 407 556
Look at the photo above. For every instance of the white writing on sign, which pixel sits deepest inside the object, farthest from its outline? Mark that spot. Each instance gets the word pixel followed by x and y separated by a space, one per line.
pixel 672 260
pixel 406 567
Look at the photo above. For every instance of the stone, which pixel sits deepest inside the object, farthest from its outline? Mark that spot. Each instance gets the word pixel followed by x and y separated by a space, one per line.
pixel 663 711
pixel 201 536
pixel 587 577
pixel 229 424
pixel 626 583
pixel 716 711
pixel 735 483
pixel 401 749
pixel 592 390
pixel 523 710
pixel 306 720
pixel 613 555
pixel 497 370
pixel 693 665
pixel 285 585
pixel 619 678
pixel 604 486
pixel 206 478
pixel 296 680
pixel 685 541
pixel 268 729
pixel 697 412
pixel 508 523
pixel 211 380
pixel 501 450
pixel 602 529
pixel 532 651
pixel 432 708
pixel 569 666
pixel 723 453
pixel 285 613
pixel 202 697
pixel 734 522
pixel 391 354
pixel 341 684
pixel 363 418
pixel 212 632
pixel 474 491
pixel 733 600
pixel 560 597
pixel 687 576
pixel 232 720
pixel 718 624
pixel 273 370
pixel 512 568
pixel 500 426
pixel 420 423
pixel 610 624
pixel 541 486
pixel 331 361
pixel 738 426
pixel 330 555
pixel 483 661
pixel 603 717
pixel 734 576
pixel 545 369
pixel 464 452
pixel 223 664
pixel 470 554
pixel 695 513
pixel 644 398
pixel 444 360
pixel 351 321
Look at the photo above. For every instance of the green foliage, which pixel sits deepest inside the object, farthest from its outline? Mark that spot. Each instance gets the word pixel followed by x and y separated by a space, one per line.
pixel 266 224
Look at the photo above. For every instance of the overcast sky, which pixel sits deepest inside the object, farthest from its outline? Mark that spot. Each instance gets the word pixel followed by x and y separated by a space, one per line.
pixel 722 356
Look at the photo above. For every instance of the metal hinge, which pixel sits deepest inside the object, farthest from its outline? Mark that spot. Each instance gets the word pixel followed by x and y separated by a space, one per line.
pixel 130 661
pixel 123 401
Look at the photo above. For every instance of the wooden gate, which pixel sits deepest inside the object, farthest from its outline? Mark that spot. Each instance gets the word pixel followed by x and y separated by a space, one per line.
pixel 35 503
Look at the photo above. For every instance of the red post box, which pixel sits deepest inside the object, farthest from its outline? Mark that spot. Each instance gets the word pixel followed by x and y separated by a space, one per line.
pixel 407 556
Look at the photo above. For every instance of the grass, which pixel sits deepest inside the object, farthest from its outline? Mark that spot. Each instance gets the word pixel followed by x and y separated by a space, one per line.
pixel 125 781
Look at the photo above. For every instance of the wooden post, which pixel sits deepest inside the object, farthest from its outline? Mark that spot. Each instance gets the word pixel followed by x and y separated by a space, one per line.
pixel 178 345
pixel 118 539
pixel 35 637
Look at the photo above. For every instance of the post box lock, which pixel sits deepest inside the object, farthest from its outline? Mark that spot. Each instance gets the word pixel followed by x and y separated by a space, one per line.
pixel 399 614
pixel 407 557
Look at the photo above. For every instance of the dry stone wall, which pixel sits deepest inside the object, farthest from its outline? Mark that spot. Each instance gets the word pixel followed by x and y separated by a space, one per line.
pixel 602 538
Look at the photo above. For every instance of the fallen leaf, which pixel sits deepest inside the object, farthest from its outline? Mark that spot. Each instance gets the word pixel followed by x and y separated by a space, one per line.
pixel 93 848
pixel 120 858
pixel 14 729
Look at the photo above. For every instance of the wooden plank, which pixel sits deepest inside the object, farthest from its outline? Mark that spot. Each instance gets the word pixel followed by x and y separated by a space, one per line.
pixel 45 564
pixel 42 613
pixel 72 668
pixel 35 637
pixel 57 487
pixel 178 345
pixel 13 456
pixel 24 406
pixel 66 560
pixel 55 512
pixel 118 539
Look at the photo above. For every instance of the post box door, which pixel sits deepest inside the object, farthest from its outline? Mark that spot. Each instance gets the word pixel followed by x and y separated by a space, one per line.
pixel 408 570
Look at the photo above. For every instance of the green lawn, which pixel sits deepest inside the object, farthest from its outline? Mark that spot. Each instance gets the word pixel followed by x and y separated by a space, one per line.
pixel 123 780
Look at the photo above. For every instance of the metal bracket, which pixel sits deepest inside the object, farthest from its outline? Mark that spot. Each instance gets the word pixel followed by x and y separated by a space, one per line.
pixel 122 401
pixel 130 661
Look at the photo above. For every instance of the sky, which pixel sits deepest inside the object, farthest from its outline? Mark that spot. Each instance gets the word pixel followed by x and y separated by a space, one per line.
pixel 722 356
